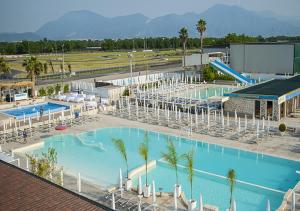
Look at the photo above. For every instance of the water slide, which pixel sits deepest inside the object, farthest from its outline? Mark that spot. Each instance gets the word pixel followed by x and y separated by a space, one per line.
pixel 227 70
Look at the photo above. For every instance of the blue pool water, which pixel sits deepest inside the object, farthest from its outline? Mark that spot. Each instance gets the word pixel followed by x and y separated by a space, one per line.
pixel 204 93
pixel 33 110
pixel 95 157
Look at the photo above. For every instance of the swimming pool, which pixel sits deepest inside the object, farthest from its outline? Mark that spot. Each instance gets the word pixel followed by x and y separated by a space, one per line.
pixel 34 110
pixel 94 156
pixel 204 93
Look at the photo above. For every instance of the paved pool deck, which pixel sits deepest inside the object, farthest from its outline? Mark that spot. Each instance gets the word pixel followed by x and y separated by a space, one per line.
pixel 287 146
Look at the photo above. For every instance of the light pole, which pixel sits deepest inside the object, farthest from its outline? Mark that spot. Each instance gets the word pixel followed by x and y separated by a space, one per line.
pixel 63 55
pixel 130 63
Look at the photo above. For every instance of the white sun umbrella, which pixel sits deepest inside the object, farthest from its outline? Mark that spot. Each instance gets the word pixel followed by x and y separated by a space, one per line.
pixel 246 122
pixel 4 131
pixel 239 125
pixel 235 116
pixel 175 198
pixel 215 114
pixel 202 115
pixel 113 203
pixel 228 119
pixel 139 206
pixel 233 206
pixel 24 118
pixel 49 116
pixel 37 115
pixel 253 119
pixel 268 208
pixel 293 201
pixel 208 120
pixel 29 122
pixel 62 114
pixel 153 194
pixel 140 191
pixel 268 124
pixel 263 123
pixel 10 122
pixel 257 130
pixel 120 180
pixel 15 123
pixel 200 203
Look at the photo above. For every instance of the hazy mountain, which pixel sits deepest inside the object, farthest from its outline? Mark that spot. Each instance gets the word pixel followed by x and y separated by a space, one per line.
pixel 86 24
pixel 221 20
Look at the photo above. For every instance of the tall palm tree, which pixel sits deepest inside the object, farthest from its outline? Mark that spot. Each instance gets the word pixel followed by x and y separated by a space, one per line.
pixel 33 68
pixel 120 146
pixel 183 36
pixel 172 157
pixel 231 177
pixel 51 65
pixel 4 69
pixel 70 68
pixel 144 153
pixel 189 157
pixel 45 65
pixel 201 28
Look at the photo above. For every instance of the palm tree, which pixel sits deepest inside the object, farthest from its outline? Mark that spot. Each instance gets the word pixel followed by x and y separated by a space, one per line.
pixel 201 28
pixel 231 176
pixel 4 67
pixel 45 67
pixel 172 157
pixel 189 157
pixel 70 68
pixel 183 36
pixel 33 68
pixel 120 146
pixel 144 153
pixel 51 65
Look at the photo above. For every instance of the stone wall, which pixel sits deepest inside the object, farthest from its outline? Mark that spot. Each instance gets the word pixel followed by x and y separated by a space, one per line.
pixel 241 105
pixel 247 106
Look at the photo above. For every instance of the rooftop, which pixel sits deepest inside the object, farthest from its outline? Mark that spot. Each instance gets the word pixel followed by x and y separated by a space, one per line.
pixel 22 190
pixel 275 87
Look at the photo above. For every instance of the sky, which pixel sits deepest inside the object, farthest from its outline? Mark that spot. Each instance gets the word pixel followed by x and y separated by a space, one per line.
pixel 29 15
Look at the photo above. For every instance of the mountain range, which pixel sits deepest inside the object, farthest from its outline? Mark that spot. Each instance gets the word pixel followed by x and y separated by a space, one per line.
pixel 221 20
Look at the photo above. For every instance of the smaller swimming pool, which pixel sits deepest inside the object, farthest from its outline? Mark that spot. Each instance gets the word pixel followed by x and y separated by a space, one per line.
pixel 34 110
pixel 204 93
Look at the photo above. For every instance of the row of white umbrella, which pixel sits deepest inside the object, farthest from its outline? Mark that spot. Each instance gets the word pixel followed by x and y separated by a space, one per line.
pixel 154 202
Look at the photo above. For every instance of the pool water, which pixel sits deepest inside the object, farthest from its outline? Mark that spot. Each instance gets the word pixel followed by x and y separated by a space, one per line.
pixel 95 157
pixel 204 93
pixel 34 110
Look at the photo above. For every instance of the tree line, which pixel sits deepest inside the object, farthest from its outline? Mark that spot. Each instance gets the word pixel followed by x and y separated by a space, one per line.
pixel 57 46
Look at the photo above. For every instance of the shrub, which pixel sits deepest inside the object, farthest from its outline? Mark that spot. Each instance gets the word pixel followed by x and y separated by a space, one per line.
pixel 282 127
pixel 50 90
pixel 42 92
pixel 126 92
pixel 57 88
pixel 66 88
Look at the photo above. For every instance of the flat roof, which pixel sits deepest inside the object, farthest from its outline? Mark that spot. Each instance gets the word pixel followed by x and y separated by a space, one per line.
pixel 22 190
pixel 275 87
pixel 266 43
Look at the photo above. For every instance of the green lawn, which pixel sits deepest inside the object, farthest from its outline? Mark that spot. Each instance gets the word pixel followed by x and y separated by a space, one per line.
pixel 93 60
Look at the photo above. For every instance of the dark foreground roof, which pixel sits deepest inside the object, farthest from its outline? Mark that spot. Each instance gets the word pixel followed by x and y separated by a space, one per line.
pixel 274 87
pixel 21 190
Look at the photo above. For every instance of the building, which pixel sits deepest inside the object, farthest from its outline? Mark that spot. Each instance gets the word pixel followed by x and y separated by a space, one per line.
pixel 271 58
pixel 22 190
pixel 275 98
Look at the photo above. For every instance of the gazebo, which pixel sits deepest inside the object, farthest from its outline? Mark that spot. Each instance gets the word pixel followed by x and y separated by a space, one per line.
pixel 13 91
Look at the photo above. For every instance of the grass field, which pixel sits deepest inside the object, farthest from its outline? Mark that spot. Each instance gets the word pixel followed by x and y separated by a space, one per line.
pixel 94 60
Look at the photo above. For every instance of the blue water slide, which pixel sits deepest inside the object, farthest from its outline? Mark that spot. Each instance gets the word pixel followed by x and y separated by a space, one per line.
pixel 227 70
